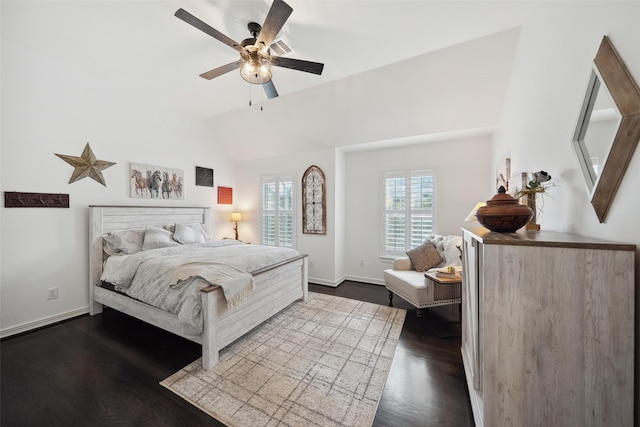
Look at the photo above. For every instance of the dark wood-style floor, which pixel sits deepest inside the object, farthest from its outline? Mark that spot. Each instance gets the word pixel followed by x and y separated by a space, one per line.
pixel 105 371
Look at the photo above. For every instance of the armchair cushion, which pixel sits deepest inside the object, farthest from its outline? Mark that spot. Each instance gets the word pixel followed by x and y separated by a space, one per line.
pixel 402 263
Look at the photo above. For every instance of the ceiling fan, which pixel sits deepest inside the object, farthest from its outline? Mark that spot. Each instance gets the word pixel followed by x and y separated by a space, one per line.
pixel 255 57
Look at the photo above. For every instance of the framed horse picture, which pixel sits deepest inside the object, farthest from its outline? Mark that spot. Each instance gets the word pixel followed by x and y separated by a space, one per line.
pixel 156 182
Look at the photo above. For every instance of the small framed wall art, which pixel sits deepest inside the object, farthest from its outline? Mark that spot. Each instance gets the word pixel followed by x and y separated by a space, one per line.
pixel 225 195
pixel 204 177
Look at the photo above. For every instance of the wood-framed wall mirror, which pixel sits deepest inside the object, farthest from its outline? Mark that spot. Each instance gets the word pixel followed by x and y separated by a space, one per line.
pixel 314 211
pixel 608 128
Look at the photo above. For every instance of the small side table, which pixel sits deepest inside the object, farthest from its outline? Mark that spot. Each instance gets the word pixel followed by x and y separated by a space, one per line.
pixel 454 287
pixel 431 274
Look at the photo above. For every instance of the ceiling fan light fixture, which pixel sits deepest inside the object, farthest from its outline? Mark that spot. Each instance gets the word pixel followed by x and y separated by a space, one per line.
pixel 255 68
pixel 255 52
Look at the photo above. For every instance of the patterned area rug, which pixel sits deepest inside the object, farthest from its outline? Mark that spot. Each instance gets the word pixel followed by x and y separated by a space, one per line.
pixel 323 362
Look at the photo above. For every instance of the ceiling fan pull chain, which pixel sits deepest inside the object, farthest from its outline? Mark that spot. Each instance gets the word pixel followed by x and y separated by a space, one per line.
pixel 261 97
pixel 249 94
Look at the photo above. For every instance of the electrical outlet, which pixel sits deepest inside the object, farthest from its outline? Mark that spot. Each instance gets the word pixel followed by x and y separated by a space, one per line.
pixel 361 263
pixel 52 293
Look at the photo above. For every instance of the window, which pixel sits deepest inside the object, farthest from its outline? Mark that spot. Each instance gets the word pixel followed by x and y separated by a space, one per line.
pixel 408 210
pixel 278 218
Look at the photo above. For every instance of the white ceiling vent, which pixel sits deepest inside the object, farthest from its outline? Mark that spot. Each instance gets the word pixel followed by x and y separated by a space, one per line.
pixel 281 47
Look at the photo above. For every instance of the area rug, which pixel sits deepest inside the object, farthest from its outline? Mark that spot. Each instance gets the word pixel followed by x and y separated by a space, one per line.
pixel 323 362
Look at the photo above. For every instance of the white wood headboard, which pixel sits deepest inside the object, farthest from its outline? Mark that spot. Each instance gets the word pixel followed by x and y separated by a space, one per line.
pixel 104 219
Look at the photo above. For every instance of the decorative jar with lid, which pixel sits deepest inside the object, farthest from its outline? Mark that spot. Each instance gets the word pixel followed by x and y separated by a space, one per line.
pixel 503 213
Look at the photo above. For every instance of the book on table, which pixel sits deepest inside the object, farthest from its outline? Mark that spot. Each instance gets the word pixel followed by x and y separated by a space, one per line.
pixel 449 272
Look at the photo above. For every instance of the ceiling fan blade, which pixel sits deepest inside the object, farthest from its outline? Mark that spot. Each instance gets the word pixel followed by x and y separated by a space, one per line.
pixel 277 16
pixel 206 28
pixel 270 89
pixel 297 64
pixel 216 72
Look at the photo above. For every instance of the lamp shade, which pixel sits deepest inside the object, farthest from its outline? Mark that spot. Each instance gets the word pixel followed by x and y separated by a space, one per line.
pixel 236 216
pixel 472 214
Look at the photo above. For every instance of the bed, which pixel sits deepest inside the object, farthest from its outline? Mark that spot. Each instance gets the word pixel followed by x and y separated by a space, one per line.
pixel 276 286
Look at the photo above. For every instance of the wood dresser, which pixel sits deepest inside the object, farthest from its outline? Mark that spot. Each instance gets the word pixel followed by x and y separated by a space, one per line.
pixel 548 328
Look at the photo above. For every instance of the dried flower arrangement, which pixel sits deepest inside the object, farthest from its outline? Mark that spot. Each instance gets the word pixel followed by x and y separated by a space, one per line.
pixel 539 184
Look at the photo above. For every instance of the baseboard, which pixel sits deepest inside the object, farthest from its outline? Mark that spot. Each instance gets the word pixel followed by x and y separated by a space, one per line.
pixel 336 283
pixel 29 326
pixel 365 280
pixel 323 282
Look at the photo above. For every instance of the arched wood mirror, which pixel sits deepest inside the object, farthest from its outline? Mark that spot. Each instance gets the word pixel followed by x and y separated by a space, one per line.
pixel 608 128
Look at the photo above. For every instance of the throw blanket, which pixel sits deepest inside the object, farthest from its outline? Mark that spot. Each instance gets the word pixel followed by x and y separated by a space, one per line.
pixel 148 276
pixel 235 283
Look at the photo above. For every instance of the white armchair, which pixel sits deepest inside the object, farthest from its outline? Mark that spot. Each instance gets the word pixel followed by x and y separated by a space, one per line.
pixel 404 280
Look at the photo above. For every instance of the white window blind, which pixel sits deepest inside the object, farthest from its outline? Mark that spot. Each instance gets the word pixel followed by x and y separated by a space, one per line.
pixel 408 210
pixel 278 218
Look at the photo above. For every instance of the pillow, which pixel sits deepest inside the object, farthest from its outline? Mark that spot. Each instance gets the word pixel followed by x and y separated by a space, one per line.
pixel 190 233
pixel 124 242
pixel 157 237
pixel 452 250
pixel 424 257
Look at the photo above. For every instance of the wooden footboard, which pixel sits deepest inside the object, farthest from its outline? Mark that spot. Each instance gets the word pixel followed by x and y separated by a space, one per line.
pixel 276 287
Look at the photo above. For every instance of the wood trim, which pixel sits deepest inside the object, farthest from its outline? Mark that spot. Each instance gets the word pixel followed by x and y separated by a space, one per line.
pixel 542 238
pixel 626 95
pixel 616 76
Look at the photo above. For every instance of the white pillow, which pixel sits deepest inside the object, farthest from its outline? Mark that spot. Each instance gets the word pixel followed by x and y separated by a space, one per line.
pixel 157 237
pixel 191 233
pixel 452 252
pixel 123 242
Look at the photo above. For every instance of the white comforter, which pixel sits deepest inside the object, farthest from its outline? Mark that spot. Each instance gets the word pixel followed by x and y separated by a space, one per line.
pixel 147 275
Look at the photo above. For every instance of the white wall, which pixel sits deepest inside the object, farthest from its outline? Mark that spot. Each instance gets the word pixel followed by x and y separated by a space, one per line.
pixel 340 237
pixel 461 168
pixel 458 88
pixel 320 248
pixel 354 205
pixel 550 75
pixel 549 79
pixel 52 108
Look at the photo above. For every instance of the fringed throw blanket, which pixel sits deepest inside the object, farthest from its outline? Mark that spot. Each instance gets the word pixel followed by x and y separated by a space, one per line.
pixel 168 279
pixel 235 283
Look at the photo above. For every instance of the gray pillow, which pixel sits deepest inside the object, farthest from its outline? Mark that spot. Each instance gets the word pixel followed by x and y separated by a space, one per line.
pixel 123 242
pixel 190 233
pixel 424 257
pixel 157 237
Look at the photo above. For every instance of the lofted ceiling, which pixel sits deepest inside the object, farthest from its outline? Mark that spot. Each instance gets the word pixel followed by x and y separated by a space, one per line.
pixel 141 47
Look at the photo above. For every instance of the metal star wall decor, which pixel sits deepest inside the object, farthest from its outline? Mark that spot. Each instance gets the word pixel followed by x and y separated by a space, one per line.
pixel 86 166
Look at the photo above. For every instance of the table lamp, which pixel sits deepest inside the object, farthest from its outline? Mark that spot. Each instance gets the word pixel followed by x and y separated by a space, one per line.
pixel 235 217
